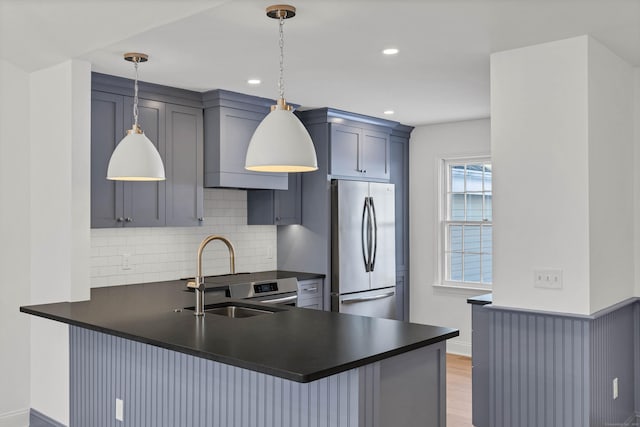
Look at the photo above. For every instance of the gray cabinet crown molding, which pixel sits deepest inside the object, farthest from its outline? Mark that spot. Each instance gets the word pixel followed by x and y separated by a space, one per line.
pixel 123 86
pixel 332 115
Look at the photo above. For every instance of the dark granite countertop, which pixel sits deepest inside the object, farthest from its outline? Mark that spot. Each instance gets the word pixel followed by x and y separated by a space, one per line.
pixel 481 299
pixel 297 344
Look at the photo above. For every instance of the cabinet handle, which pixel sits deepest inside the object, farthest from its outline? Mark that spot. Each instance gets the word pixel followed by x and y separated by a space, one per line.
pixel 314 289
pixel 200 219
pixel 128 219
pixel 119 219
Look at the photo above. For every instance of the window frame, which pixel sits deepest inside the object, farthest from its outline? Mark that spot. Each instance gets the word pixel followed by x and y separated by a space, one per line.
pixel 443 221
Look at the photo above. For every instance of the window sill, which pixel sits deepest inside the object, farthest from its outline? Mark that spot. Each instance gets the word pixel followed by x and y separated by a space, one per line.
pixel 463 288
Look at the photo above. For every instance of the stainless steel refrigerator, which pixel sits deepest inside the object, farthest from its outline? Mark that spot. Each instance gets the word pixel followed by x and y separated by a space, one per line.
pixel 363 270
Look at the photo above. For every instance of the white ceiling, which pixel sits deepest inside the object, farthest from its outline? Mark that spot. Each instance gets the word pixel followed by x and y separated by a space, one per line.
pixel 332 48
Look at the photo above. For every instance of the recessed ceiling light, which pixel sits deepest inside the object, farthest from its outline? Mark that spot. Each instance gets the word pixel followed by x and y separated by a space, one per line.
pixel 389 112
pixel 254 81
pixel 390 51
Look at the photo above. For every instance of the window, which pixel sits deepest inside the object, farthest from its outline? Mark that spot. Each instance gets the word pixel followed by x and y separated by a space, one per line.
pixel 467 241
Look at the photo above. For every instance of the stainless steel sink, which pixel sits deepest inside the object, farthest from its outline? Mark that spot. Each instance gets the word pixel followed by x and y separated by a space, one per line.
pixel 236 311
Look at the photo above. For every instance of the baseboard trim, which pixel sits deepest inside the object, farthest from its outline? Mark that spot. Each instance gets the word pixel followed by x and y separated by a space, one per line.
pixel 38 419
pixel 15 418
pixel 459 347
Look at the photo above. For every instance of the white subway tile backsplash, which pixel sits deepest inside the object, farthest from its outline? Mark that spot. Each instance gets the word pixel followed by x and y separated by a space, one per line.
pixel 168 253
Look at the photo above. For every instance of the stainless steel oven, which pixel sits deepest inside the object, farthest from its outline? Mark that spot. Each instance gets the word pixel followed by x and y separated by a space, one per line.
pixel 279 291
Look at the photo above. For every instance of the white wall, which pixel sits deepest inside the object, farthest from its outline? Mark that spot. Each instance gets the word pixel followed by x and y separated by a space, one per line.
pixel 14 251
pixel 562 175
pixel 429 304
pixel 611 220
pixel 168 253
pixel 59 221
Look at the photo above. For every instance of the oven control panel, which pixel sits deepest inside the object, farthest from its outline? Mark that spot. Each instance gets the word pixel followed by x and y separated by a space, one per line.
pixel 260 288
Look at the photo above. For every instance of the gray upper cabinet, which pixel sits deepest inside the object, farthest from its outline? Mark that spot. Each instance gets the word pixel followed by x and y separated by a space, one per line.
pixel 183 165
pixel 144 202
pixel 119 204
pixel 359 153
pixel 230 120
pixel 276 207
pixel 177 131
pixel 107 129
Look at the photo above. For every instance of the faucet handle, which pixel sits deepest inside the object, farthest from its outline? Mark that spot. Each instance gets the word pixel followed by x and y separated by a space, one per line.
pixel 197 283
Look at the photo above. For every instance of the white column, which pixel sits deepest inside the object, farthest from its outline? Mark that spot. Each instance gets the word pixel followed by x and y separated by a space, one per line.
pixel 562 153
pixel 15 244
pixel 60 208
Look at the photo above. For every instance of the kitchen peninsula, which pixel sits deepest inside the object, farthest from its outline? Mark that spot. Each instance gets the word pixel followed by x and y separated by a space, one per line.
pixel 292 367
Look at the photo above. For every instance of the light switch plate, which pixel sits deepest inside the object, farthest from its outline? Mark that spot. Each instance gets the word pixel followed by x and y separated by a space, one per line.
pixel 547 278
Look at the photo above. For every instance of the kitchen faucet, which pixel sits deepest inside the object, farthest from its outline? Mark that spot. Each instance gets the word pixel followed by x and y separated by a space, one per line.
pixel 198 284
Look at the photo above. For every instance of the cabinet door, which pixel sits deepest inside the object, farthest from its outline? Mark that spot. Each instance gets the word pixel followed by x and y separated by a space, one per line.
pixel 276 207
pixel 288 203
pixel 144 202
pixel 183 166
pixel 374 154
pixel 311 294
pixel 107 130
pixel 345 149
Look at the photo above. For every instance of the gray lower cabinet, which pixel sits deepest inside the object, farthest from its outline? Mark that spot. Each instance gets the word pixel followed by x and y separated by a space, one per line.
pixel 359 153
pixel 177 132
pixel 310 294
pixel 276 207
pixel 230 121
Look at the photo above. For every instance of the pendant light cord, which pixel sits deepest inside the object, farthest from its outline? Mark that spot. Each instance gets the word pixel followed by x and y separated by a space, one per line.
pixel 135 96
pixel 281 80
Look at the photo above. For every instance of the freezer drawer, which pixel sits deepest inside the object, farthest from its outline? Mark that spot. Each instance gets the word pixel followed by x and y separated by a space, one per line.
pixel 376 303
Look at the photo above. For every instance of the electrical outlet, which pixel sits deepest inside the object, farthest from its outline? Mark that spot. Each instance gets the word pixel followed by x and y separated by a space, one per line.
pixel 126 261
pixel 119 410
pixel 548 279
pixel 269 252
pixel 615 388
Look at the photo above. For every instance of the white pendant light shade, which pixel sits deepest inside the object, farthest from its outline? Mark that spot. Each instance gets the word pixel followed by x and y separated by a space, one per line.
pixel 135 159
pixel 281 144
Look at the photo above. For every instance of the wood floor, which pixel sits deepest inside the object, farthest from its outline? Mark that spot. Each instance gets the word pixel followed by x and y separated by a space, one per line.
pixel 458 391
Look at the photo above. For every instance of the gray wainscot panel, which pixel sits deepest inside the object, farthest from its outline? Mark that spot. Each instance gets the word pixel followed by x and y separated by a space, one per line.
pixel 557 370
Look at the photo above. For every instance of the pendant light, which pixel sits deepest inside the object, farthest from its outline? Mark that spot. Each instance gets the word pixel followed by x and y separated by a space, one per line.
pixel 281 143
pixel 135 157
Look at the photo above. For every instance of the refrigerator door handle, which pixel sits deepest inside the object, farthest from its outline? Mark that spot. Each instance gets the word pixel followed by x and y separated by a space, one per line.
pixel 372 263
pixel 365 258
pixel 364 299
pixel 369 235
